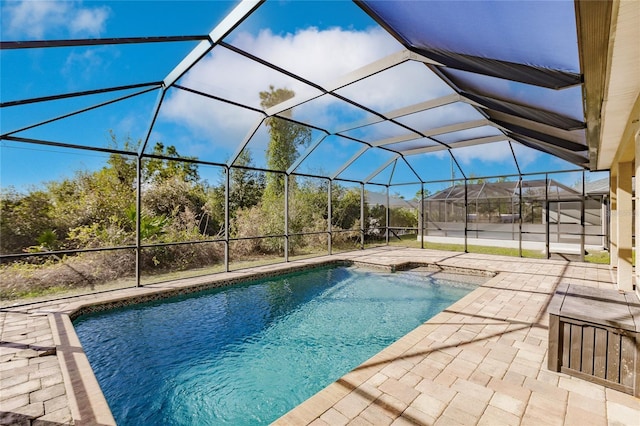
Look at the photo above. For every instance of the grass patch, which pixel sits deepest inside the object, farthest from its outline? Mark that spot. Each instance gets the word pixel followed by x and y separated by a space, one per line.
pixel 412 242
pixel 147 278
pixel 601 257
pixel 506 251
pixel 39 293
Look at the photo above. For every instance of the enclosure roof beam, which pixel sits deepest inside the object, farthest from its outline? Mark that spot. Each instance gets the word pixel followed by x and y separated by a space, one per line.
pixel 154 84
pixel 461 144
pixel 515 159
pixel 245 142
pixel 478 141
pixel 381 168
pixel 571 157
pixel 306 153
pixel 457 127
pixel 434 131
pixel 419 107
pixel 80 111
pixel 217 98
pixel 423 106
pixel 350 161
pixel 412 169
pixel 38 44
pixel 270 112
pixel 455 160
pixel 67 145
pixel 152 123
pixel 228 24
pixel 368 70
pixel 396 139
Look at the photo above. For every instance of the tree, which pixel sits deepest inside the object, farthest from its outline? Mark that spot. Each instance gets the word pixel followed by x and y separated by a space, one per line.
pixel 419 194
pixel 345 207
pixel 246 186
pixel 473 179
pixel 157 170
pixel 285 137
pixel 153 169
pixel 24 219
pixel 93 208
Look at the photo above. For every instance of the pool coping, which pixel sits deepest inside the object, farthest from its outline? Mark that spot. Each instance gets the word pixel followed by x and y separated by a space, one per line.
pixel 315 406
pixel 87 405
pixel 86 400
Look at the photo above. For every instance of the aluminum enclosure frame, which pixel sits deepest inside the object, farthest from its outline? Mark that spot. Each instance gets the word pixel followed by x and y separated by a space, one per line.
pixel 435 61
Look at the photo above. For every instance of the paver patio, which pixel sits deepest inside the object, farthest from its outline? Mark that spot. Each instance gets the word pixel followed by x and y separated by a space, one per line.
pixel 481 361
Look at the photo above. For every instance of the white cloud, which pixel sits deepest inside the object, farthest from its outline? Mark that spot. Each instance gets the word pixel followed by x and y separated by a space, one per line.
pixel 221 123
pixel 525 155
pixel 81 64
pixel 320 56
pixel 39 19
pixel 317 55
pixel 403 85
pixel 84 64
pixel 89 21
pixel 497 152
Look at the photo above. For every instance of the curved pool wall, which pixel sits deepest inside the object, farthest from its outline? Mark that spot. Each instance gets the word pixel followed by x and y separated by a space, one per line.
pixel 249 353
pixel 86 400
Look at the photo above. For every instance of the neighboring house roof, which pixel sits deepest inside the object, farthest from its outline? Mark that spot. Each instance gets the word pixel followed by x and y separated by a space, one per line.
pixel 601 186
pixel 495 190
pixel 373 198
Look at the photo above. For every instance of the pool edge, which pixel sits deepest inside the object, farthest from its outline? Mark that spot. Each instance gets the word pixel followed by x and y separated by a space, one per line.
pixel 88 406
pixel 317 404
pixel 87 402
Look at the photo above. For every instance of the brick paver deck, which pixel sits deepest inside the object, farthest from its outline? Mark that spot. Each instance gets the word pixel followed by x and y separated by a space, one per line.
pixel 481 361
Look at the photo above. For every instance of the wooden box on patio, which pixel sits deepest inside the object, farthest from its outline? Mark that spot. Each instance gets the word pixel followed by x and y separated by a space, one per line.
pixel 594 334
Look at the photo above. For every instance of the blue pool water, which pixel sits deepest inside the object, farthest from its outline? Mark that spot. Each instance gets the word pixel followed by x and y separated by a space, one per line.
pixel 249 353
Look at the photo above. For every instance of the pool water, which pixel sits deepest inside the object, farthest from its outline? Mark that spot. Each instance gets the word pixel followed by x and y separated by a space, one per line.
pixel 247 354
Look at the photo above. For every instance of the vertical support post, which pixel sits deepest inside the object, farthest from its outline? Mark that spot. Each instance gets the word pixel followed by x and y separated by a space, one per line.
pixel 637 233
pixel 548 205
pixel 362 216
pixel 555 343
pixel 613 224
pixel 466 216
pixel 227 192
pixel 520 217
pixel 422 215
pixel 625 217
pixel 604 221
pixel 386 219
pixel 444 204
pixel 286 218
pixel 329 218
pixel 582 219
pixel 138 213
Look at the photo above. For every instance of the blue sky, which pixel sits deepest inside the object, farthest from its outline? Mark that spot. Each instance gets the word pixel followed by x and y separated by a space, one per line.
pixel 319 41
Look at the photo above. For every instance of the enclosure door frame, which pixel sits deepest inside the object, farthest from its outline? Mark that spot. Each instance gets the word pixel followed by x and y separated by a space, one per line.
pixel 558 222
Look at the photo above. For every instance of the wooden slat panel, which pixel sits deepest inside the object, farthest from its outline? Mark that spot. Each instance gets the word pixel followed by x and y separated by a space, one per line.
pixel 575 358
pixel 627 361
pixel 566 343
pixel 613 358
pixel 588 340
pixel 600 354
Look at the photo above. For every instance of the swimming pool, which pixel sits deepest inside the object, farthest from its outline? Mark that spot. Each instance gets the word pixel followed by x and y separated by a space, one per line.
pixel 247 354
